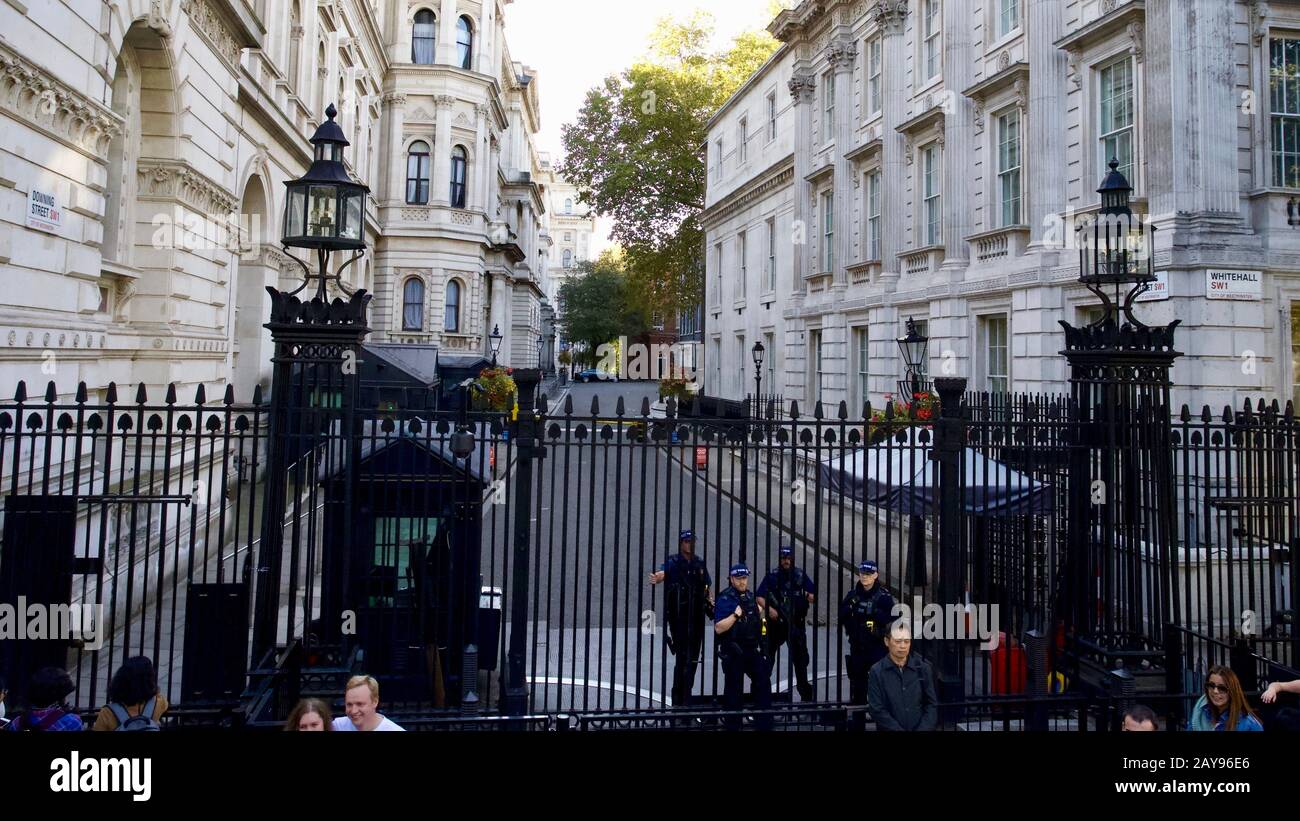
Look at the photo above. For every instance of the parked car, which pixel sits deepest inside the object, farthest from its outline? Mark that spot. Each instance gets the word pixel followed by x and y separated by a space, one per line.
pixel 596 375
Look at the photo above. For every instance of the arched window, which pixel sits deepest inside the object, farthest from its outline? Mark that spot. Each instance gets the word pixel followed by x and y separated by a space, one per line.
pixel 458 159
pixel 417 174
pixel 451 320
pixel 568 206
pixel 413 305
pixel 464 43
pixel 568 258
pixel 423 37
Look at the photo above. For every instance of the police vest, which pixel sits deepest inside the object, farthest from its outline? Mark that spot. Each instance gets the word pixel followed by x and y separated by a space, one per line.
pixel 748 630
pixel 865 619
pixel 684 594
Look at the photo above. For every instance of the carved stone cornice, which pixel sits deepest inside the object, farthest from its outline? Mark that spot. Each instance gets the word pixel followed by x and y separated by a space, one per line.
pixel 172 180
pixel 443 101
pixel 31 94
pixel 890 15
pixel 1137 34
pixel 803 87
pixel 208 22
pixel 394 100
pixel 748 195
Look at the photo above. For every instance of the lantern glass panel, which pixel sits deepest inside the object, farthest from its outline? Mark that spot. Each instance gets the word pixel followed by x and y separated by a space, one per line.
pixel 323 218
pixel 296 212
pixel 351 228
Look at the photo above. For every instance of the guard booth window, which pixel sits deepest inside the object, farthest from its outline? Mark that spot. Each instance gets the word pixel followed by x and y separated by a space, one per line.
pixel 392 575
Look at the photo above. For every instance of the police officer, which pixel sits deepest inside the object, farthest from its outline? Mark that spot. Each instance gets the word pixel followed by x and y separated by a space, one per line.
pixel 688 601
pixel 792 591
pixel 865 615
pixel 741 628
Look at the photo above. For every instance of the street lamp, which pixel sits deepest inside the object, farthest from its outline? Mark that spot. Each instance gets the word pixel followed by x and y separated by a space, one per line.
pixel 1115 250
pixel 758 351
pixel 540 340
pixel 495 339
pixel 915 350
pixel 325 209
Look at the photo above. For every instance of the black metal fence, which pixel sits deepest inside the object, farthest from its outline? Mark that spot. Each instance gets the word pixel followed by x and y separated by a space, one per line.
pixel 397 554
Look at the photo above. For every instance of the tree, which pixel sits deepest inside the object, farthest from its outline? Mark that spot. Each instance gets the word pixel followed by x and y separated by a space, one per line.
pixel 599 306
pixel 635 152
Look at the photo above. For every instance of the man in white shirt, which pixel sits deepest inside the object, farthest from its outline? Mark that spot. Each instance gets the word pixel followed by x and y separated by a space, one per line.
pixel 361 708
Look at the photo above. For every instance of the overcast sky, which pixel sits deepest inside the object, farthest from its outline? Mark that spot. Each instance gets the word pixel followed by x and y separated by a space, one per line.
pixel 574 44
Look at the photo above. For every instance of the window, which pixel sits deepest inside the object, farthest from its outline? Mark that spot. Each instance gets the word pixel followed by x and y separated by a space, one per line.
pixel 742 358
pixel 862 348
pixel 423 37
pixel 769 272
pixel 451 308
pixel 417 174
pixel 771 117
pixel 770 363
pixel 742 243
pixel 568 206
pixel 1009 167
pixel 873 216
pixel 1284 92
pixel 817 364
pixel 994 331
pixel 828 107
pixel 568 258
pixel 717 266
pixel 744 139
pixel 568 236
pixel 1295 353
pixel 931 47
pixel 1091 315
pixel 413 305
pixel 828 232
pixel 930 185
pixel 458 160
pixel 1008 17
pixel 1116 116
pixel 875 52
pixel 464 43
pixel 393 569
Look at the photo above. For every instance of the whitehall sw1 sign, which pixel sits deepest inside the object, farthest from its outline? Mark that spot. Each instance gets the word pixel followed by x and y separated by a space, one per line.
pixel 1225 284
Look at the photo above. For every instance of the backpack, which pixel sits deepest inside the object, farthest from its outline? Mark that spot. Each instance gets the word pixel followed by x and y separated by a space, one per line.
pixel 141 723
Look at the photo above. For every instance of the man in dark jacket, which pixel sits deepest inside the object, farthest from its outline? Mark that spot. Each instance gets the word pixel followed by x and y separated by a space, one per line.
pixel 688 602
pixel 900 689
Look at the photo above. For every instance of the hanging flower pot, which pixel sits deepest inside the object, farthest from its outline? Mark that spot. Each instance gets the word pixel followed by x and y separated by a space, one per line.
pixel 494 391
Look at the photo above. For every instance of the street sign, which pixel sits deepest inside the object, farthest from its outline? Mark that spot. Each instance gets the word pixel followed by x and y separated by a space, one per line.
pixel 1232 284
pixel 43 211
pixel 1158 290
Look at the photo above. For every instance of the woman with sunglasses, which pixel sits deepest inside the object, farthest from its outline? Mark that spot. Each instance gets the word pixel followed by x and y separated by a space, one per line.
pixel 1223 707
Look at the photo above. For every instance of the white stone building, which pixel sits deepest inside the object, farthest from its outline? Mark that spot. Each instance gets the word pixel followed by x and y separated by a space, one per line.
pixel 927 159
pixel 162 133
pixel 573 229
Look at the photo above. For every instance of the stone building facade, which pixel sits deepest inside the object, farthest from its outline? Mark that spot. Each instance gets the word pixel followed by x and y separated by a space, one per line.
pixel 930 158
pixel 146 144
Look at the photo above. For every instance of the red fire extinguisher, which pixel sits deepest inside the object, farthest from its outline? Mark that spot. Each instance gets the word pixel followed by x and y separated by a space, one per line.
pixel 701 457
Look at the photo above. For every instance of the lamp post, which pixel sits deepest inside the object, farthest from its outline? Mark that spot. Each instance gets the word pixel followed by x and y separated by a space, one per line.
pixel 758 350
pixel 495 340
pixel 540 341
pixel 314 339
pixel 914 347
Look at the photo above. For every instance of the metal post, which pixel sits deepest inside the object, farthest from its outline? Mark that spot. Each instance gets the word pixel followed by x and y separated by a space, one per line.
pixel 515 700
pixel 950 438
pixel 1036 688
pixel 1173 643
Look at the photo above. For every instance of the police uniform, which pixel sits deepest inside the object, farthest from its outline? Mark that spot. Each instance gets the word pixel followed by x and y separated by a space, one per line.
pixel 742 648
pixel 865 616
pixel 789 591
pixel 686 599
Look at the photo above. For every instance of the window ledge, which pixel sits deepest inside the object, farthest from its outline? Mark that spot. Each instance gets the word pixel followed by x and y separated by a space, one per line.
pixel 922 260
pixel 1006 242
pixel 864 272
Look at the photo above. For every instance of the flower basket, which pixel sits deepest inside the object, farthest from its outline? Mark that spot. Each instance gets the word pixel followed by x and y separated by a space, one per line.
pixel 923 408
pixel 674 389
pixel 494 391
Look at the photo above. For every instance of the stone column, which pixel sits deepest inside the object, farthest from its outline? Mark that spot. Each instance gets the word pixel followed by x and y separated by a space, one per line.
pixel 405 25
pixel 393 161
pixel 446 55
pixel 841 54
pixel 803 87
pixel 893 167
pixel 484 39
pixel 958 139
pixel 441 159
pixel 1192 111
pixel 1044 147
pixel 490 178
pixel 499 315
pixel 476 197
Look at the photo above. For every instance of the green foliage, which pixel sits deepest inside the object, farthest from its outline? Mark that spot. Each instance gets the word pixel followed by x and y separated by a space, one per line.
pixel 599 305
pixel 495 389
pixel 635 150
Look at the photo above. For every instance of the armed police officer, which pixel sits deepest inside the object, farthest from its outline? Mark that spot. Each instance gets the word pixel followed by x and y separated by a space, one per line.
pixel 741 628
pixel 688 602
pixel 791 591
pixel 865 615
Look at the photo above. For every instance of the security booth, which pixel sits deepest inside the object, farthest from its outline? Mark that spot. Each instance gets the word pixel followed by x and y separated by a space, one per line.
pixel 405 579
pixel 454 369
pixel 399 377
